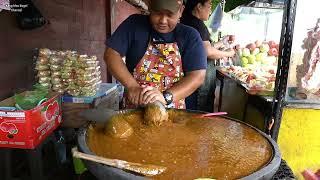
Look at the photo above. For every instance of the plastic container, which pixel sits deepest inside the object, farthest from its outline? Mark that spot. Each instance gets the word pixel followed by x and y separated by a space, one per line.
pixel 106 96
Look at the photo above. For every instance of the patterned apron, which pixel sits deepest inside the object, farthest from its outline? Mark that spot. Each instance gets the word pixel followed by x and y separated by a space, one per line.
pixel 160 67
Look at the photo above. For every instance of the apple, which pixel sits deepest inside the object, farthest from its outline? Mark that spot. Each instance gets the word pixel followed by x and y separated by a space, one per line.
pixel 245 52
pixel 251 46
pixel 264 48
pixel 250 77
pixel 273 52
pixel 255 51
pixel 258 43
pixel 272 44
pixel 251 59
pixel 232 38
pixel 271 71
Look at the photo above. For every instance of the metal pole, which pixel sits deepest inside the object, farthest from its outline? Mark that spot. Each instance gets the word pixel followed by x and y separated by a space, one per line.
pixel 283 66
pixel 223 3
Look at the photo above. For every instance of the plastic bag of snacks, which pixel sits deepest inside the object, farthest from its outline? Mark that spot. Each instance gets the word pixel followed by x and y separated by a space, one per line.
pixel 66 71
pixel 43 67
pixel 84 78
pixel 31 98
pixel 56 61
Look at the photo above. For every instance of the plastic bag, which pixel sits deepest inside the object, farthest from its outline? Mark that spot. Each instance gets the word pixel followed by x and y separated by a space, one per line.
pixel 31 99
pixel 41 67
pixel 68 71
pixel 42 60
pixel 44 73
pixel 44 52
pixel 216 18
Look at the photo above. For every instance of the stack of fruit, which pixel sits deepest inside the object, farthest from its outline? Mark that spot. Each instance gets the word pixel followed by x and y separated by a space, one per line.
pixel 259 53
pixel 261 79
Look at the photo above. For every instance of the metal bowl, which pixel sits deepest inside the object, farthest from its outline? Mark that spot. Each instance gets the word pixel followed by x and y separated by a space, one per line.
pixel 103 172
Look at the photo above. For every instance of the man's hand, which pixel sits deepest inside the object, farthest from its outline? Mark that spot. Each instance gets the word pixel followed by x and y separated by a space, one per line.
pixel 119 70
pixel 228 40
pixel 134 95
pixel 230 52
pixel 150 95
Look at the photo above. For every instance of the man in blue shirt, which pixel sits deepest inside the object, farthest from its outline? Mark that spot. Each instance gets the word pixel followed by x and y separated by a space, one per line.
pixel 165 60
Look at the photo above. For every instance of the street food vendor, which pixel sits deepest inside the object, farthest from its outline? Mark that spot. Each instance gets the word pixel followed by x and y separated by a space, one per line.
pixel 165 60
pixel 197 11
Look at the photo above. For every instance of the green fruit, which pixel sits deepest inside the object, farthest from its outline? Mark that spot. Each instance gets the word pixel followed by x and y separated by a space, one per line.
pixel 244 60
pixel 255 51
pixel 261 56
pixel 270 86
pixel 245 52
pixel 251 59
pixel 239 51
pixel 245 65
pixel 264 48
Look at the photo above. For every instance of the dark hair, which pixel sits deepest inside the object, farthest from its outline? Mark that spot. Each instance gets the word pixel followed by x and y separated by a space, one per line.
pixel 191 4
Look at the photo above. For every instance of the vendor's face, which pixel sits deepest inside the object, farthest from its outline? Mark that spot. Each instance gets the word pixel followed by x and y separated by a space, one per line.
pixel 205 10
pixel 165 21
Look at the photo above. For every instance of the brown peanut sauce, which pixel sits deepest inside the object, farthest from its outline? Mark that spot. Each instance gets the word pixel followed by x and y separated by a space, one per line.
pixel 190 147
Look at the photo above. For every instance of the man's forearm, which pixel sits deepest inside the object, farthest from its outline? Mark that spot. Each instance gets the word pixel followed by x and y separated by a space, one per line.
pixel 214 53
pixel 217 54
pixel 217 45
pixel 118 68
pixel 188 84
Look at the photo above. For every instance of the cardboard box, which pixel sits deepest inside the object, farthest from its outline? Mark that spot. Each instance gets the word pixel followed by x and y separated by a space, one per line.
pixel 25 129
